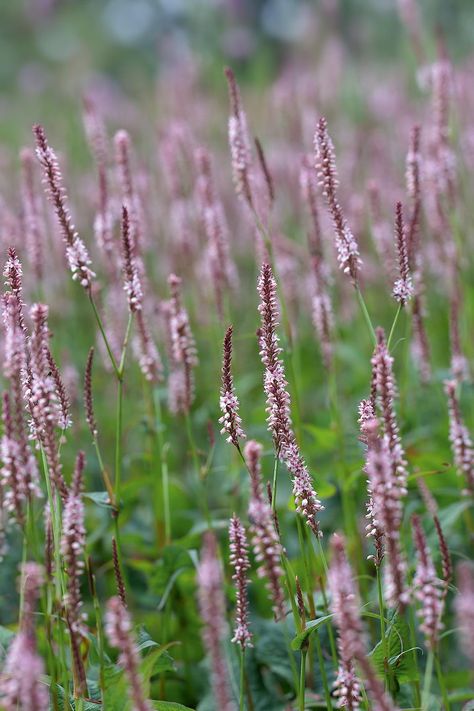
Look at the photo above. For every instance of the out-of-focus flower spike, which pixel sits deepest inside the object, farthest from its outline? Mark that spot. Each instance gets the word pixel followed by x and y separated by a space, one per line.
pixel 278 402
pixel 97 138
pixel 21 683
pixel 73 541
pixel 265 541
pixel 146 352
pixel 386 392
pixel 428 588
pixel 31 213
pixel 268 179
pixel 459 364
pixel 182 340
pixel 461 443
pixel 88 397
pixel 119 581
pixel 63 404
pixel 118 628
pixel 76 251
pixel 345 606
pixel 420 344
pixel 346 244
pixel 464 605
pixel 239 142
pixel 240 565
pixel 228 401
pixel 212 609
pixel 446 562
pixel 386 513
pixel 413 183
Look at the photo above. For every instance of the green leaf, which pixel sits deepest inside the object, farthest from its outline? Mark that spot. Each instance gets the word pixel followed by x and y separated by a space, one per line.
pixel 169 706
pixel 400 657
pixel 298 641
pixel 6 637
pixel 101 498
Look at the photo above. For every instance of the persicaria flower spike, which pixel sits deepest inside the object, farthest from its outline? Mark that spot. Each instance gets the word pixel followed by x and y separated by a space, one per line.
pixel 345 606
pixel 21 685
pixel 73 543
pixel 464 605
pixel 346 244
pixel 76 251
pixel 461 443
pixel 386 513
pixel 132 283
pixel 239 142
pixel 118 628
pixel 382 363
pixel 229 403
pixel 278 402
pixel 265 540
pixel 212 609
pixel 428 588
pixel 183 347
pixel 403 287
pixel 239 561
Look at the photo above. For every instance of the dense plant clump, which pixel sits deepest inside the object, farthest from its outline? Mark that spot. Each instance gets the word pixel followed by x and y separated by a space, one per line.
pixel 236 461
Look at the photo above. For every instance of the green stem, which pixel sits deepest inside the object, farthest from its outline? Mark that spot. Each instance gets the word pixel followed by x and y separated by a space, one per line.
pixel 274 483
pixel 197 467
pixel 162 447
pixel 427 681
pixel 441 682
pixel 365 313
pixel 392 330
pixel 383 636
pixel 242 679
pixel 301 691
pixel 319 652
pixel 104 335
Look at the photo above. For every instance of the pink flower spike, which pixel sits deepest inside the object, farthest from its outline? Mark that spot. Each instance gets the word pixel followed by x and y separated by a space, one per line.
pixel 239 561
pixel 76 251
pixel 428 588
pixel 346 244
pixel 229 403
pixel 118 628
pixel 212 609
pixel 403 287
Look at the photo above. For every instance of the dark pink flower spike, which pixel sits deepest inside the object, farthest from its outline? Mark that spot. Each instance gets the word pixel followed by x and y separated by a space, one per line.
pixel 403 287
pixel 212 609
pixel 428 588
pixel 346 244
pixel 76 251
pixel 345 606
pixel 228 401
pixel 239 561
pixel 118 628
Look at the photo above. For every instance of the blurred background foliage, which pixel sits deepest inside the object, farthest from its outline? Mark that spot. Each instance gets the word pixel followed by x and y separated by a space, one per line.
pixel 62 47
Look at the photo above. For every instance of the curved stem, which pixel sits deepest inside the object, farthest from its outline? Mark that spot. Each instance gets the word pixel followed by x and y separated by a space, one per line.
pixel 366 315
pixel 392 330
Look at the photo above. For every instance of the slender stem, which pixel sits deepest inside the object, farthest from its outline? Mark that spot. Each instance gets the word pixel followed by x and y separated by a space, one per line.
pixel 332 642
pixel 427 681
pixel 162 456
pixel 392 330
pixel 441 682
pixel 365 313
pixel 274 483
pixel 197 467
pixel 242 679
pixel 301 691
pixel 104 335
pixel 319 652
pixel 383 636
